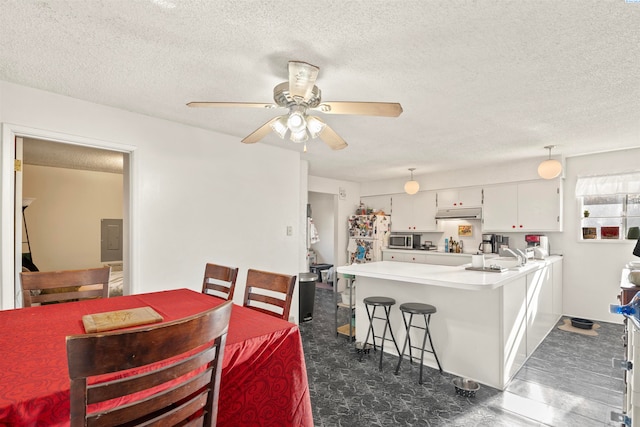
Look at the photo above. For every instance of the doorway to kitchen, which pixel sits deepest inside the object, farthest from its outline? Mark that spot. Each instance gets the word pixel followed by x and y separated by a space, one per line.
pixel 322 249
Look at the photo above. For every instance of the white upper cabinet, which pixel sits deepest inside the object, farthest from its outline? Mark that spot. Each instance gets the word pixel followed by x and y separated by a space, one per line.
pixel 531 206
pixel 460 198
pixel 413 213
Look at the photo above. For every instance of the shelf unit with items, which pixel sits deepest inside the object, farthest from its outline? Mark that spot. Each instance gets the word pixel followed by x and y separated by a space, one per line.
pixel 348 329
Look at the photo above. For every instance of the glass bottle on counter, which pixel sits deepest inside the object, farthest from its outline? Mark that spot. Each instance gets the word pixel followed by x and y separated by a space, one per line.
pixel 446 245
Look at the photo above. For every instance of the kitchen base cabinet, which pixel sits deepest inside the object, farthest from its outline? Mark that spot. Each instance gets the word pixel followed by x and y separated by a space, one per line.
pixel 482 332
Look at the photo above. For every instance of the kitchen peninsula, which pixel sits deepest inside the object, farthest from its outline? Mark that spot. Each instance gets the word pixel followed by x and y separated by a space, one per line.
pixel 487 323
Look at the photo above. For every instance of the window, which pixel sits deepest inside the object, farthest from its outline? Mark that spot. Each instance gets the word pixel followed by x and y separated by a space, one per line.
pixel 610 206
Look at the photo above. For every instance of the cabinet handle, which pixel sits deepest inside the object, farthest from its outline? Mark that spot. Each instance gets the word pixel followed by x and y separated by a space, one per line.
pixel 513 226
pixel 460 203
pixel 520 225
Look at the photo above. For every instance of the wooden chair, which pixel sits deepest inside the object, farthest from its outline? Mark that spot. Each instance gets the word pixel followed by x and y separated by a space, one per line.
pixel 186 388
pixel 269 293
pixel 60 286
pixel 219 281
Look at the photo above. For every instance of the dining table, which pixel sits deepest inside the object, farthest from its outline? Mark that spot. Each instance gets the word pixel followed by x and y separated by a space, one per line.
pixel 263 380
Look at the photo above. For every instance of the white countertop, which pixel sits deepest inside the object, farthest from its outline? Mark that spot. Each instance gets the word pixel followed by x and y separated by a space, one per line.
pixel 442 275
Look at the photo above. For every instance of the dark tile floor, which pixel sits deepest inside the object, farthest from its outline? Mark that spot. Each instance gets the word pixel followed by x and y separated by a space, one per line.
pixel 567 382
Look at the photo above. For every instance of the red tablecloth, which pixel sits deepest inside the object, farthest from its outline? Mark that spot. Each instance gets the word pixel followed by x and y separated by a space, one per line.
pixel 264 379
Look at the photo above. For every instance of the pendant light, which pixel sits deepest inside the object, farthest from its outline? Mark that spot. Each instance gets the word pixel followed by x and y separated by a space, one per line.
pixel 412 186
pixel 550 168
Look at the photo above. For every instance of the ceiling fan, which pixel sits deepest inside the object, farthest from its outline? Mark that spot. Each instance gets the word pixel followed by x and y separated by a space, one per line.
pixel 301 96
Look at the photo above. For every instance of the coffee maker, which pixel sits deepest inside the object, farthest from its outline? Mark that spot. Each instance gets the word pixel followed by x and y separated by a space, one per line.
pixel 487 245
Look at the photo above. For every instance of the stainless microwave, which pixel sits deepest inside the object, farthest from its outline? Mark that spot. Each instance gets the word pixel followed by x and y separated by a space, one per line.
pixel 404 241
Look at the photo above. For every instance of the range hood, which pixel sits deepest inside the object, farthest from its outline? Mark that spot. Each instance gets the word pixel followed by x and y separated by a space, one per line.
pixel 459 213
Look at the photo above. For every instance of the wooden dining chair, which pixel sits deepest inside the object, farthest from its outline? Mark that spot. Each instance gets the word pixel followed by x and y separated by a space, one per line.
pixel 62 286
pixel 175 379
pixel 219 281
pixel 269 293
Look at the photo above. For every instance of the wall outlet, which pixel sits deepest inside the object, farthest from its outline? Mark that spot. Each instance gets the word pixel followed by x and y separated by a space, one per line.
pixel 289 230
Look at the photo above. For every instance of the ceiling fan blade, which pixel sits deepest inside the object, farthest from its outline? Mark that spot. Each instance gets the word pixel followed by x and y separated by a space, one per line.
pixel 230 104
pixel 332 139
pixel 259 133
pixel 302 78
pixel 384 109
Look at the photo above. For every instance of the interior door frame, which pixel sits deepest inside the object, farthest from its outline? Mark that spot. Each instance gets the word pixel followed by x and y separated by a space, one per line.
pixel 9 259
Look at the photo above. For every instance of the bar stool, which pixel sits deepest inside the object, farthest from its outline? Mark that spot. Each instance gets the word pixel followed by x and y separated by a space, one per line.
pixel 386 304
pixel 426 310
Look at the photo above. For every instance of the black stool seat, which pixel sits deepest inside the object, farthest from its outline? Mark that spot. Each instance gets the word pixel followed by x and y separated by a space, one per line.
pixel 420 309
pixel 385 303
pixel 377 301
pixel 417 308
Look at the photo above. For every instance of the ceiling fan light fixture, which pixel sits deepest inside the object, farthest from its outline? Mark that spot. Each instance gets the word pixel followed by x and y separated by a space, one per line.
pixel 296 122
pixel 412 186
pixel 300 136
pixel 550 168
pixel 315 126
pixel 280 126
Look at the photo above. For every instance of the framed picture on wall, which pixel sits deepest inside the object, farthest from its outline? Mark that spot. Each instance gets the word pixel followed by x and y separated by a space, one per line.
pixel 465 230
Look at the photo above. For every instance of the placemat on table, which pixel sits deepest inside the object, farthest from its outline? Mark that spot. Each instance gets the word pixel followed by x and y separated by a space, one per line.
pixel 110 320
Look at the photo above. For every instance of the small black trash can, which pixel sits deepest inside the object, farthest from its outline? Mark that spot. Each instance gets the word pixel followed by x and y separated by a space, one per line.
pixel 306 294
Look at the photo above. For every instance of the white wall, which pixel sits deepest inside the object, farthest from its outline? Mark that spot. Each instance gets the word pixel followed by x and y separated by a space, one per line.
pixel 592 269
pixel 64 220
pixel 196 196
pixel 323 213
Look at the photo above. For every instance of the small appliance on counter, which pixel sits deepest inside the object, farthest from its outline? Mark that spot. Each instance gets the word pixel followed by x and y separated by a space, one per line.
pixel 537 245
pixel 487 245
pixel 404 241
pixel 428 246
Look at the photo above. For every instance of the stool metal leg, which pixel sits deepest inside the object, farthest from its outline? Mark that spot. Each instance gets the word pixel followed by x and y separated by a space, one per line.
pixel 406 339
pixel 433 349
pixel 369 331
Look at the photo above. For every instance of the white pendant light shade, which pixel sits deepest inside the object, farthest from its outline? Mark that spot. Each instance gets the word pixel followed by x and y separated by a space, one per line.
pixel 550 168
pixel 411 186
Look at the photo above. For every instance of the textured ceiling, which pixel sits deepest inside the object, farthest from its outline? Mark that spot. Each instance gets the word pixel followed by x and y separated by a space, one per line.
pixel 480 82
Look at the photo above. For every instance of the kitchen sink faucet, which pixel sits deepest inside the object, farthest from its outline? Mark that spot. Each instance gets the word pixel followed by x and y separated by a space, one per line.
pixel 521 256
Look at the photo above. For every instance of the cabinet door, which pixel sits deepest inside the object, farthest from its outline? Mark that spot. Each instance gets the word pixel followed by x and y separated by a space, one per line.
pixel 540 318
pixel 424 211
pixel 414 213
pixel 393 256
pixel 500 211
pixel 402 213
pixel 514 327
pixel 460 197
pixel 539 206
pixel 448 198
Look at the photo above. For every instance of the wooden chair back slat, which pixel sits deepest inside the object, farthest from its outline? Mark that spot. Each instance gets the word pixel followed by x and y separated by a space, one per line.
pixel 276 301
pixel 65 285
pixel 182 358
pixel 219 280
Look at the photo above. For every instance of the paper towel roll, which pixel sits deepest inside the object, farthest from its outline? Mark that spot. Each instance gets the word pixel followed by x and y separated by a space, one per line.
pixel 477 261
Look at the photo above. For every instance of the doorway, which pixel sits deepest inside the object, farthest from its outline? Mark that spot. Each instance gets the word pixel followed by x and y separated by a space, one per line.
pixel 65 154
pixel 323 213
